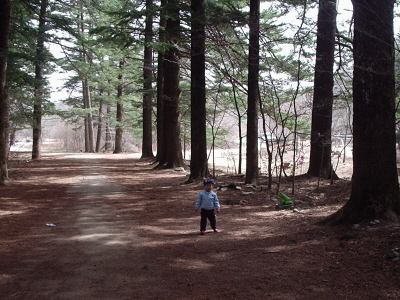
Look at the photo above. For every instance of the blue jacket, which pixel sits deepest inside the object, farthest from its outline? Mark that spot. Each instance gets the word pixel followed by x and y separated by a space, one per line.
pixel 207 200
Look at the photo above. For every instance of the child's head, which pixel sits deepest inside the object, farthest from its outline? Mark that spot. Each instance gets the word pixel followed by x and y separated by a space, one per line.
pixel 208 184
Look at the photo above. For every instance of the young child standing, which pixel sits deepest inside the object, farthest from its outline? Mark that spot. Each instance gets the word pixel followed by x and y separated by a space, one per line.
pixel 208 201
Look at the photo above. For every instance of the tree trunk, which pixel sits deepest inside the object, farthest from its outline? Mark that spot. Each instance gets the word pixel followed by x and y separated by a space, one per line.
pixel 160 85
pixel 269 146
pixel 198 160
pixel 321 145
pixel 375 187
pixel 253 96
pixel 37 127
pixel 120 115
pixel 239 124
pixel 171 126
pixel 119 129
pixel 108 142
pixel 39 84
pixel 147 142
pixel 87 104
pixel 4 105
pixel 99 125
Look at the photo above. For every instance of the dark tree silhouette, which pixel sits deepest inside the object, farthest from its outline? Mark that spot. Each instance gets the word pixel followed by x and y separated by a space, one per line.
pixel 253 95
pixel 147 145
pixel 4 106
pixel 172 149
pixel 375 187
pixel 198 161
pixel 160 82
pixel 320 152
pixel 119 129
pixel 39 83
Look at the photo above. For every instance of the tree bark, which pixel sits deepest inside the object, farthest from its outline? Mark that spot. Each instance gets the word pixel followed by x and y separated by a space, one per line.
pixel 87 104
pixel 171 126
pixel 39 83
pixel 253 96
pixel 119 129
pixel 99 125
pixel 4 105
pixel 120 115
pixel 239 125
pixel 198 160
pixel 160 84
pixel 108 142
pixel 147 142
pixel 375 187
pixel 321 145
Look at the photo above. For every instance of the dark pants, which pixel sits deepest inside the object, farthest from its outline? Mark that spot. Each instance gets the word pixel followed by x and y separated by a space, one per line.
pixel 208 214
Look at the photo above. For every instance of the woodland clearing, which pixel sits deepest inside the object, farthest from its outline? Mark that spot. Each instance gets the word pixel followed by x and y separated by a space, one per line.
pixel 103 226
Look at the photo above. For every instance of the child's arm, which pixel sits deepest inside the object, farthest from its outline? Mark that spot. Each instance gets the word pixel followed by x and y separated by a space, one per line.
pixel 198 202
pixel 216 204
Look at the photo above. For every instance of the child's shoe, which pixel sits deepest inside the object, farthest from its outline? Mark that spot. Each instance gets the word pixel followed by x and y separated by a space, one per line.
pixel 216 230
pixel 202 232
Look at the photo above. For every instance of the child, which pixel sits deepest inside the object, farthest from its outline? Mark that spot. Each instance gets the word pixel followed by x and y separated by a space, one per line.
pixel 208 201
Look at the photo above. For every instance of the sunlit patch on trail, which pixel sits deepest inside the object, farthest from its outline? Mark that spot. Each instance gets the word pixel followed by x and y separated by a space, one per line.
pixel 193 264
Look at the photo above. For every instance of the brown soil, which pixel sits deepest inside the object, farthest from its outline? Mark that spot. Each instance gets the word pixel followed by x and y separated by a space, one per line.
pixel 111 227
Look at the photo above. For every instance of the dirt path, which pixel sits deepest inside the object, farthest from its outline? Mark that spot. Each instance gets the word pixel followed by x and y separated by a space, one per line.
pixel 125 231
pixel 102 245
pixel 89 253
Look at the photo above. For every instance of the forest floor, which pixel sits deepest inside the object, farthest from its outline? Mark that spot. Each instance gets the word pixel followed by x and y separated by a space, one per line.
pixel 110 227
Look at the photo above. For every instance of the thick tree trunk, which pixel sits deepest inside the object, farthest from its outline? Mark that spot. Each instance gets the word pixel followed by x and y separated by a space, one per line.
pixel 147 142
pixel 198 160
pixel 320 153
pixel 253 96
pixel 375 187
pixel 4 105
pixel 120 116
pixel 37 127
pixel 119 130
pixel 39 84
pixel 160 85
pixel 171 126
